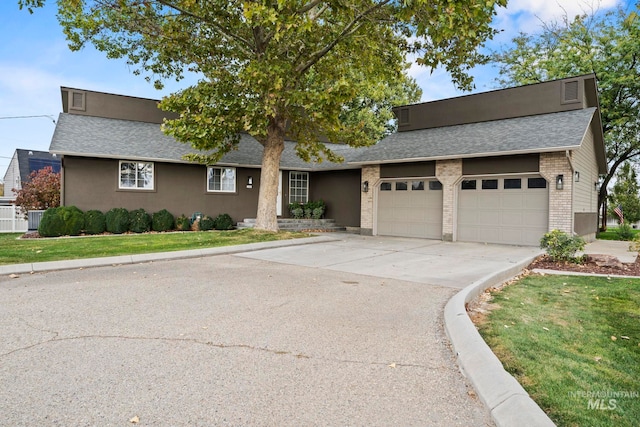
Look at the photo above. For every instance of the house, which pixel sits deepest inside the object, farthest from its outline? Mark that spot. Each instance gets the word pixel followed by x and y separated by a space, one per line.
pixel 22 164
pixel 504 166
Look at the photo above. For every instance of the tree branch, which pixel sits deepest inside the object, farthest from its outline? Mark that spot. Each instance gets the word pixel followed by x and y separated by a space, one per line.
pixel 348 30
pixel 217 27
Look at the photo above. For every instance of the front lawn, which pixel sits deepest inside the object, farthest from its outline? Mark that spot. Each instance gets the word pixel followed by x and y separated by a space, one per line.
pixel 612 234
pixel 573 342
pixel 16 251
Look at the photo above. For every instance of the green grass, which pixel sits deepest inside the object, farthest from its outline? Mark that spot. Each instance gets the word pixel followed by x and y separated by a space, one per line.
pixel 16 251
pixel 555 334
pixel 611 234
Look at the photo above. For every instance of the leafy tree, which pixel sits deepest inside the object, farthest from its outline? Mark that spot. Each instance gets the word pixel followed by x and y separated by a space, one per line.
pixel 625 194
pixel 40 192
pixel 308 70
pixel 605 44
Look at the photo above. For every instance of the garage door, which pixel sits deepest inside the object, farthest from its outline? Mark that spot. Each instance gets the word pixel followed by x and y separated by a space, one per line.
pixel 410 208
pixel 511 209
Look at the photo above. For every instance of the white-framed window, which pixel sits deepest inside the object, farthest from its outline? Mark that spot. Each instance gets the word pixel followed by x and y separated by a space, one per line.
pixel 298 187
pixel 221 180
pixel 136 175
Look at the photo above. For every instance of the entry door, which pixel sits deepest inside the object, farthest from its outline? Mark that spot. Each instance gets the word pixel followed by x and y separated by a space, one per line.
pixel 410 208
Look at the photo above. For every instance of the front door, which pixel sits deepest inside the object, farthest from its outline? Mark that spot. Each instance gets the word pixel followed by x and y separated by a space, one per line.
pixel 279 197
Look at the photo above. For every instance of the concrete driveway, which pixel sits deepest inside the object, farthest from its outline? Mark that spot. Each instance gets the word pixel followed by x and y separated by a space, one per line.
pixel 244 339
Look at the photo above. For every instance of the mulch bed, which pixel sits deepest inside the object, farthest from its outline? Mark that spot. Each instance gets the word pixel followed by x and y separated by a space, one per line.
pixel 589 266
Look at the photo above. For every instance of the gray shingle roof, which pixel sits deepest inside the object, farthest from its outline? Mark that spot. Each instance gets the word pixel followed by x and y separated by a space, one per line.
pixel 545 132
pixel 88 136
pixel 100 137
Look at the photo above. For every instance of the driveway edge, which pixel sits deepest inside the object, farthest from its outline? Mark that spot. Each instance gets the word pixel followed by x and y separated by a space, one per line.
pixel 508 402
pixel 157 256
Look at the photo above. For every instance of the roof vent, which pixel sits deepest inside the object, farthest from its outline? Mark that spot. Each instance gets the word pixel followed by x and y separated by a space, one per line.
pixel 403 116
pixel 570 91
pixel 31 153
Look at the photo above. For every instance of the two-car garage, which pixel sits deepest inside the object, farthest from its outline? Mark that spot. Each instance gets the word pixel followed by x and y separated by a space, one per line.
pixel 506 209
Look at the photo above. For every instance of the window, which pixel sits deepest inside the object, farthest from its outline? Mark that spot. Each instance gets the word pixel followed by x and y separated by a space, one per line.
pixel 222 180
pixel 417 185
pixel 298 187
pixel 385 186
pixel 512 183
pixel 401 186
pixel 469 184
pixel 435 185
pixel 489 184
pixel 136 175
pixel 537 183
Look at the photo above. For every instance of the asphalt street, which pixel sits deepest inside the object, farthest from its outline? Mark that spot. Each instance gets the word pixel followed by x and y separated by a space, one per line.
pixel 229 340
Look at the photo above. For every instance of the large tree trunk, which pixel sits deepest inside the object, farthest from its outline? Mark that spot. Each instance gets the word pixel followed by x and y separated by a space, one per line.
pixel 266 218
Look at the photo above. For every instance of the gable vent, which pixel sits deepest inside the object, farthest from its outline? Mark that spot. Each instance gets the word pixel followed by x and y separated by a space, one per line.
pixel 403 116
pixel 570 91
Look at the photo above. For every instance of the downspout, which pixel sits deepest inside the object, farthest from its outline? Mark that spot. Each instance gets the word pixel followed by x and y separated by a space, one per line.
pixel 573 169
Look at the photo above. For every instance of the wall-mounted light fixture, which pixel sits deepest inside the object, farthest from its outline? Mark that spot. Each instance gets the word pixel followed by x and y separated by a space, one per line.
pixel 250 182
pixel 595 186
pixel 559 182
pixel 576 176
pixel 365 187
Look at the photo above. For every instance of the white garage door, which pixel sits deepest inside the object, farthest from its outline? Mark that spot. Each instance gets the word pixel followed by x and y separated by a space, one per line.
pixel 410 208
pixel 511 210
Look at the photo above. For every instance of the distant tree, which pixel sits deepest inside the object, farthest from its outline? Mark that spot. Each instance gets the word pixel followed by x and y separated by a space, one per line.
pixel 605 44
pixel 1 188
pixel 625 194
pixel 41 191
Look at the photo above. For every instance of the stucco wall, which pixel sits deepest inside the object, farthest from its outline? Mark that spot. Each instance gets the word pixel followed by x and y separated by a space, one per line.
pixel 179 188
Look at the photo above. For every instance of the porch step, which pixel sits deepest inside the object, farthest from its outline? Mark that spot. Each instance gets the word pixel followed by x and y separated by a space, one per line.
pixel 290 224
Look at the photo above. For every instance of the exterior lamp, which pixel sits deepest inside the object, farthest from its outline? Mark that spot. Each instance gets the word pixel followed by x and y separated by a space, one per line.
pixel 365 187
pixel 559 182
pixel 250 182
pixel 576 176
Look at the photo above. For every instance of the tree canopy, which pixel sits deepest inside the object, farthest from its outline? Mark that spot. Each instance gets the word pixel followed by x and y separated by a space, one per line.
pixel 607 45
pixel 40 191
pixel 625 194
pixel 310 70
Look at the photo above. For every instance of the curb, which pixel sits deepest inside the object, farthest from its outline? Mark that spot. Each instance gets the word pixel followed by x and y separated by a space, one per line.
pixel 508 402
pixel 38 267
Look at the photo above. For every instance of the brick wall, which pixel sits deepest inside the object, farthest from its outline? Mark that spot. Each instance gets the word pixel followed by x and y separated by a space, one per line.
pixel 560 201
pixel 371 174
pixel 448 173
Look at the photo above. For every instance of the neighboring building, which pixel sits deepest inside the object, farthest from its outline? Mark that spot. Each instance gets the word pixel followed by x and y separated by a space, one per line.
pixel 504 166
pixel 22 164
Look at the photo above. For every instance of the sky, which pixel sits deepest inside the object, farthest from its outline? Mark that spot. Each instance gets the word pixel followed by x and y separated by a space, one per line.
pixel 35 62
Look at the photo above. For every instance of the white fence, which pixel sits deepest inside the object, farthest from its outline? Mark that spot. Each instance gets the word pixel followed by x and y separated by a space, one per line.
pixel 11 220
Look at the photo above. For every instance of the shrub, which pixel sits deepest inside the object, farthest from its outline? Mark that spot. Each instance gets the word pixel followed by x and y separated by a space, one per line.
pixel 311 209
pixel 183 223
pixel 625 232
pixel 117 220
pixel 560 246
pixel 139 221
pixel 223 222
pixel 206 223
pixel 61 221
pixel 94 222
pixel 162 221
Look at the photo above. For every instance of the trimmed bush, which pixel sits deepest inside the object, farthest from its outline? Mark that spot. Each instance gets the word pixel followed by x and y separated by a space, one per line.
pixel 162 221
pixel 183 223
pixel 139 221
pixel 117 220
pixel 223 222
pixel 61 221
pixel 206 223
pixel 560 246
pixel 94 222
